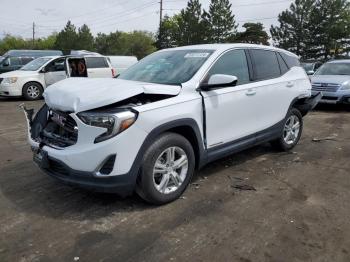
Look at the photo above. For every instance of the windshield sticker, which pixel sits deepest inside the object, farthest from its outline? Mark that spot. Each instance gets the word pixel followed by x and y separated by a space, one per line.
pixel 196 55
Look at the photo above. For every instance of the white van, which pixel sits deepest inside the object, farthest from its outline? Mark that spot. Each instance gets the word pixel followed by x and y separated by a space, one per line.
pixel 121 63
pixel 31 80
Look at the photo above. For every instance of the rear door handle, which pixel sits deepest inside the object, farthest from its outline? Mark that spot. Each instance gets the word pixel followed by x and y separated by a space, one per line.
pixel 290 84
pixel 250 92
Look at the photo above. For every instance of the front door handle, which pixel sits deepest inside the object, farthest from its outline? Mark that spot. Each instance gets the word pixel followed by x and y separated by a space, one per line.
pixel 290 84
pixel 250 92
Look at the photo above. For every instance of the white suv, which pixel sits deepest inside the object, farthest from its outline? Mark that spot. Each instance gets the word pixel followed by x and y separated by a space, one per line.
pixel 32 79
pixel 174 111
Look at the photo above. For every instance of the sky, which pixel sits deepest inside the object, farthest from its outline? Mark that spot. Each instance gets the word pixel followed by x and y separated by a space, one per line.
pixel 105 16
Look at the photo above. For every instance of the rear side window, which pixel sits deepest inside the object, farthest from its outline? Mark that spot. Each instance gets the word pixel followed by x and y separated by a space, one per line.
pixel 283 65
pixel 232 63
pixel 265 64
pixel 26 60
pixel 290 60
pixel 96 62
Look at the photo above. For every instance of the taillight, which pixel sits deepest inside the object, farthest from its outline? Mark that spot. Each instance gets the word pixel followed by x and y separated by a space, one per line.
pixel 113 72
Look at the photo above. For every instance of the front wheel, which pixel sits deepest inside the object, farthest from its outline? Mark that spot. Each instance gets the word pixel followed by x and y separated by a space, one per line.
pixel 167 169
pixel 32 91
pixel 293 127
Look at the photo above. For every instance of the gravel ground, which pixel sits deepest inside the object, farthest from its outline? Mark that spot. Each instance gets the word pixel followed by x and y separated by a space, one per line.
pixel 299 210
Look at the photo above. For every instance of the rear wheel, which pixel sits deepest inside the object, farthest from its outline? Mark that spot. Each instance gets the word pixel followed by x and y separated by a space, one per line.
pixel 167 168
pixel 32 91
pixel 293 127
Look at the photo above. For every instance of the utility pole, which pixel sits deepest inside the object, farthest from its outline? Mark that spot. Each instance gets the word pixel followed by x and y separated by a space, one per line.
pixel 160 18
pixel 33 34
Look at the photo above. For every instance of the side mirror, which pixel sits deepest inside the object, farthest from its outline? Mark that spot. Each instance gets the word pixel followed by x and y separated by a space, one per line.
pixel 219 81
pixel 6 63
pixel 311 72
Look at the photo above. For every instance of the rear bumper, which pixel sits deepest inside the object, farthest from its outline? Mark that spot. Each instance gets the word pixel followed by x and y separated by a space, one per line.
pixel 309 103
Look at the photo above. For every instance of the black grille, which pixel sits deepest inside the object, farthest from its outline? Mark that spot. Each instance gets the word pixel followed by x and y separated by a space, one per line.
pixel 61 130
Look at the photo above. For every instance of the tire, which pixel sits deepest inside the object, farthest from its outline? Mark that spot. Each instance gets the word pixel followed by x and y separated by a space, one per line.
pixel 160 188
pixel 32 91
pixel 283 143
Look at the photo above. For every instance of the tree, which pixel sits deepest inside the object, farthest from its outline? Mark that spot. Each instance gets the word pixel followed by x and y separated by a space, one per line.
pixel 330 27
pixel 169 32
pixel 67 39
pixel 137 43
pixel 85 38
pixel 220 22
pixel 190 24
pixel 254 34
pixel 294 33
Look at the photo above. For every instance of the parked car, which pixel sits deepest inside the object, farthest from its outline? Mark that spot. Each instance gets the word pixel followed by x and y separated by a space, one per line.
pixel 31 80
pixel 121 63
pixel 311 67
pixel 173 112
pixel 333 80
pixel 15 59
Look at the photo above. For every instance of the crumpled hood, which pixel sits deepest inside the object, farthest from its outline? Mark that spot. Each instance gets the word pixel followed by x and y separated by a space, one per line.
pixel 81 94
pixel 330 79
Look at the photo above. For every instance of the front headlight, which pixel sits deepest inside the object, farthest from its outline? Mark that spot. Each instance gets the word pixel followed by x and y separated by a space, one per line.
pixel 115 123
pixel 9 80
pixel 346 86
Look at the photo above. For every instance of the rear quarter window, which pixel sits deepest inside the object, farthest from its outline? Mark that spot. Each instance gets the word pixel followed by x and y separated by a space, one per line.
pixel 290 60
pixel 265 63
pixel 96 62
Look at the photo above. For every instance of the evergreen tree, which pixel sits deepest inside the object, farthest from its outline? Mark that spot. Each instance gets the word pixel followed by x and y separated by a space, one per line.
pixel 330 26
pixel 190 24
pixel 219 22
pixel 254 34
pixel 85 38
pixel 169 32
pixel 67 39
pixel 294 33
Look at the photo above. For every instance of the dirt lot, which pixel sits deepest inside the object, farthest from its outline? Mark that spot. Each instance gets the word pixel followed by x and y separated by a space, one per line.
pixel 299 212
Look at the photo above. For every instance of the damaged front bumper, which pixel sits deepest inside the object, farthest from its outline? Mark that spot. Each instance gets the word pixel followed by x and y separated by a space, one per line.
pixel 100 167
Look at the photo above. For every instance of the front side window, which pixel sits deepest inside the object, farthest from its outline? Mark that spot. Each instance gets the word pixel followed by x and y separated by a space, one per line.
pixel 36 64
pixel 56 65
pixel 96 62
pixel 334 69
pixel 15 61
pixel 232 63
pixel 265 64
pixel 171 67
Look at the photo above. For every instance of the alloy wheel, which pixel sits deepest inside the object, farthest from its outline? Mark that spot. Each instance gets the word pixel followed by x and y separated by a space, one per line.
pixel 291 130
pixel 33 91
pixel 170 170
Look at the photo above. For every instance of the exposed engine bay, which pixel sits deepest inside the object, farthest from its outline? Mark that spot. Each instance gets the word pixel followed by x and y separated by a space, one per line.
pixel 59 130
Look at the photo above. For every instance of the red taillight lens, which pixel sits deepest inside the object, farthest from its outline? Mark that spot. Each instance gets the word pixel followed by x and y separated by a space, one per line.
pixel 113 72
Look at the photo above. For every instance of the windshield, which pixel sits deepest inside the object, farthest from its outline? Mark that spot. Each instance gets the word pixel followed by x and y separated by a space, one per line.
pixel 167 67
pixel 35 64
pixel 308 66
pixel 334 69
